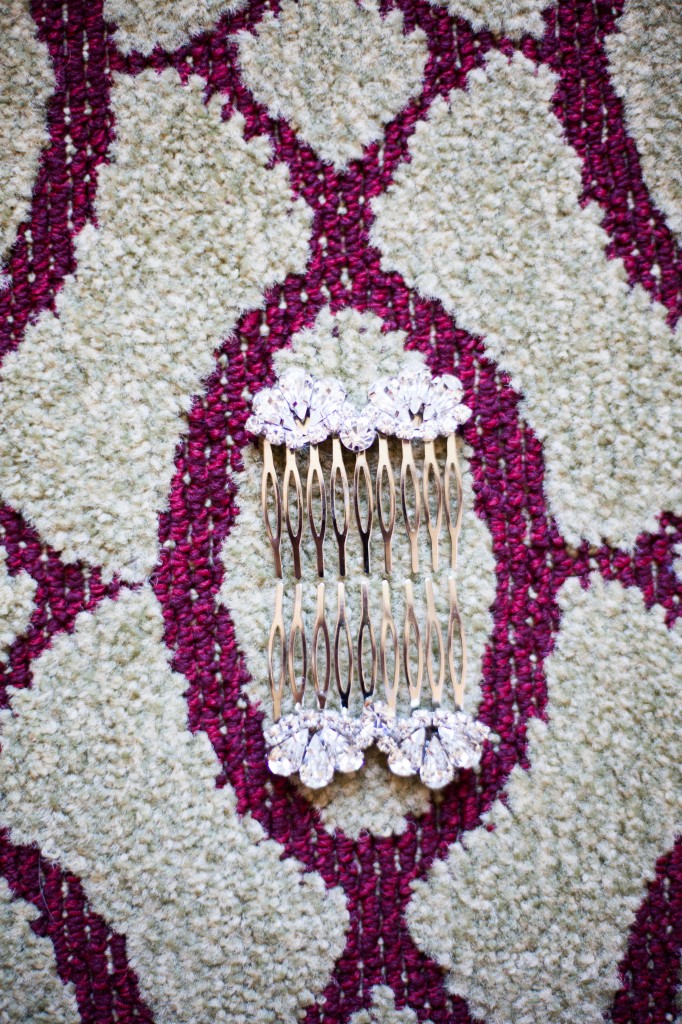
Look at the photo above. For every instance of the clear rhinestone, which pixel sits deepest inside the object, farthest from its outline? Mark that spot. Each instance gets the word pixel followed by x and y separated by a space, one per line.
pixel 317 769
pixel 358 434
pixel 273 434
pixel 310 718
pixel 271 431
pixel 413 388
pixel 452 719
pixel 431 429
pixel 413 747
pixel 341 418
pixel 399 763
pixel 453 385
pixel 297 388
pixel 272 408
pixel 457 745
pixel 279 731
pixel 345 755
pixel 327 404
pixel 476 731
pixel 317 434
pixel 343 723
pixel 448 423
pixel 296 437
pixel 376 726
pixel 382 397
pixel 421 717
pixel 254 424
pixel 436 770
pixel 461 736
pixel 382 420
pixel 286 757
pixel 408 430
pixel 444 395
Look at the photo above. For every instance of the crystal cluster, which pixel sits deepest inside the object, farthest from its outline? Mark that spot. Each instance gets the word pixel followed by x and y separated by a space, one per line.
pixel 434 745
pixel 431 744
pixel 301 410
pixel 414 406
pixel 315 744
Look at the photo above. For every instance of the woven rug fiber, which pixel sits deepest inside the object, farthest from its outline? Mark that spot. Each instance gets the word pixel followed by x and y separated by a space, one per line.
pixel 196 196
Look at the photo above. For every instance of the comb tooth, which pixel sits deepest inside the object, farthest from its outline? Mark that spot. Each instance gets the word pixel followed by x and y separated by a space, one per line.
pixel 269 478
pixel 366 626
pixel 384 469
pixel 431 478
pixel 342 627
pixel 388 626
pixel 412 630
pixel 291 474
pixel 338 474
pixel 409 468
pixel 433 630
pixel 320 628
pixel 297 628
pixel 315 478
pixel 277 628
pixel 454 523
pixel 455 623
pixel 363 475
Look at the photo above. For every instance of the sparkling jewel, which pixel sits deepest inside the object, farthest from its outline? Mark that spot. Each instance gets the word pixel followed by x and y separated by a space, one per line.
pixel 272 407
pixel 376 726
pixel 315 744
pixel 329 404
pixel 382 398
pixel 345 756
pixel 297 388
pixel 436 768
pixel 400 763
pixel 409 735
pixel 444 392
pixel 414 387
pixel 432 744
pixel 302 410
pixel 286 757
pixel 317 769
pixel 414 406
pixel 359 433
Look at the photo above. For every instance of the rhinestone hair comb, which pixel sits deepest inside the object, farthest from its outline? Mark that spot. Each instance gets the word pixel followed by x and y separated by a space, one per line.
pixel 302 412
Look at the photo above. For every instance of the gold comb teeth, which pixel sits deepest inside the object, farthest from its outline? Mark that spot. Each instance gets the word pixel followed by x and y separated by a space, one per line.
pixel 342 634
pixel 409 480
pixel 339 481
pixel 432 484
pixel 316 480
pixel 390 680
pixel 321 683
pixel 292 481
pixel 362 481
pixel 330 734
pixel 385 516
pixel 366 629
pixel 270 485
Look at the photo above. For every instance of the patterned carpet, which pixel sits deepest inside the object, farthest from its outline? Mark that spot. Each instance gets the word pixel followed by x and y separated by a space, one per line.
pixel 195 197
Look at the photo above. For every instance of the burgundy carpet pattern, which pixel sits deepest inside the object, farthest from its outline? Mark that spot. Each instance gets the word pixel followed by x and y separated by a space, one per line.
pixel 373 875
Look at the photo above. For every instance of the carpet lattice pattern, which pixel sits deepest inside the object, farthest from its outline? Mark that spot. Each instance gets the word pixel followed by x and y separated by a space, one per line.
pixel 194 197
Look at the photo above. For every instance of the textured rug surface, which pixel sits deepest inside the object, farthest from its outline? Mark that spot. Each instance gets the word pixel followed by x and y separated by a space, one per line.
pixel 194 197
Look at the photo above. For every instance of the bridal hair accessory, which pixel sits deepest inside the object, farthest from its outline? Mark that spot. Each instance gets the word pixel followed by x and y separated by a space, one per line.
pixel 407 410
